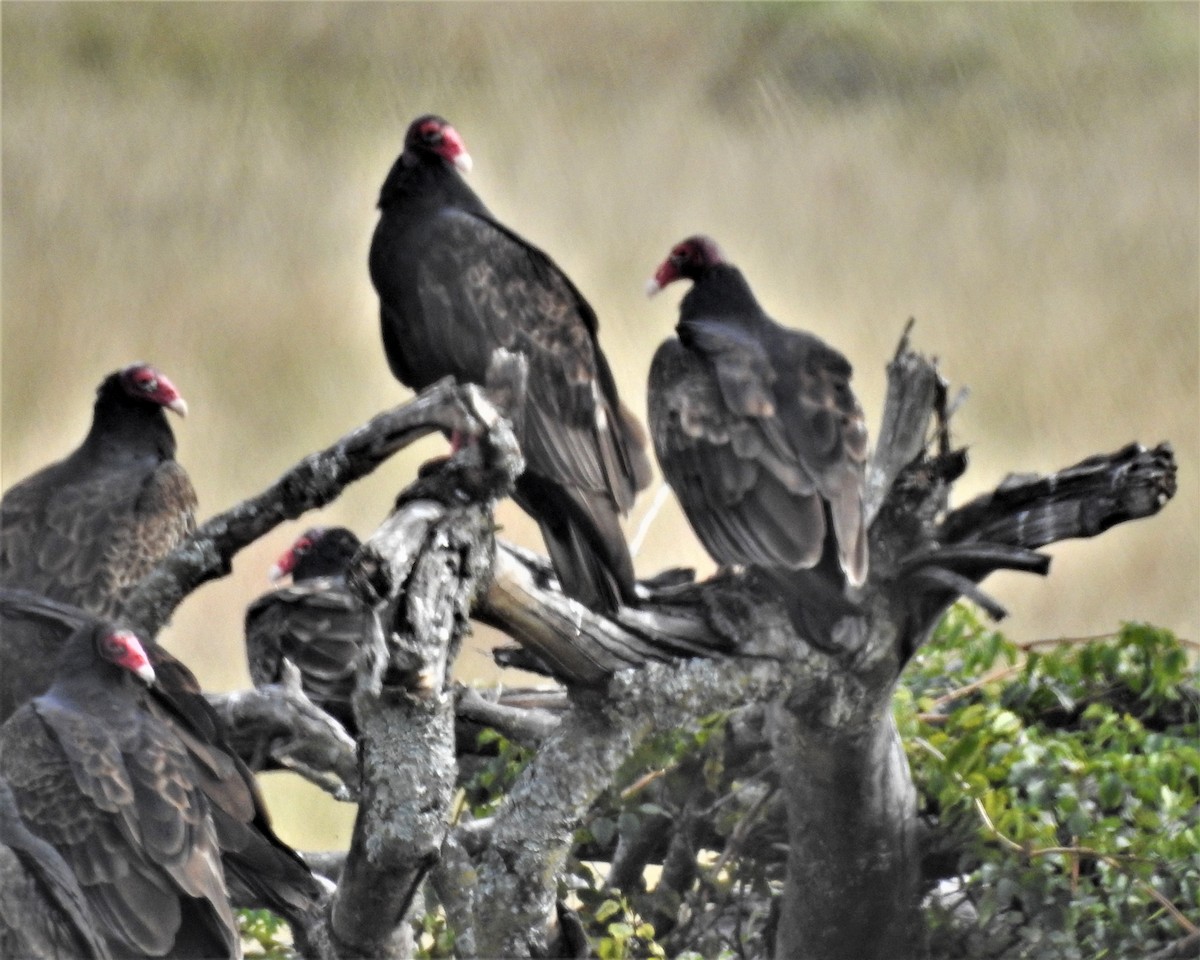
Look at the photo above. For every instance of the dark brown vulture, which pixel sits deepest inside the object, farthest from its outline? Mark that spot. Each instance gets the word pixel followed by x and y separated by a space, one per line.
pixel 455 285
pixel 86 529
pixel 316 622
pixel 43 911
pixel 114 790
pixel 755 427
pixel 261 870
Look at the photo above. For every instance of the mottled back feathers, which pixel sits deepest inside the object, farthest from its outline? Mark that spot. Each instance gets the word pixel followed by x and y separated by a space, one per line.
pixel 86 529
pixel 755 426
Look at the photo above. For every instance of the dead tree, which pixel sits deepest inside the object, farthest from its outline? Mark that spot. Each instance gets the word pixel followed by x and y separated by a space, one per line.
pixel 823 682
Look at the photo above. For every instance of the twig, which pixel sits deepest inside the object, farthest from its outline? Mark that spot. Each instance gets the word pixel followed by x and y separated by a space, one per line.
pixel 997 674
pixel 299 735
pixel 661 495
pixel 525 726
pixel 1096 638
pixel 642 782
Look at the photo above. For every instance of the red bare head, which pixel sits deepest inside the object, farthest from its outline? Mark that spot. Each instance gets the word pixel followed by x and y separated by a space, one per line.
pixel 687 260
pixel 125 650
pixel 431 134
pixel 143 382
pixel 291 556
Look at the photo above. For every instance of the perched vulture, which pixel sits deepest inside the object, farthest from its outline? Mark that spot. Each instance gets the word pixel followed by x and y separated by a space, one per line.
pixel 756 428
pixel 86 529
pixel 113 789
pixel 43 911
pixel 261 870
pixel 455 285
pixel 316 623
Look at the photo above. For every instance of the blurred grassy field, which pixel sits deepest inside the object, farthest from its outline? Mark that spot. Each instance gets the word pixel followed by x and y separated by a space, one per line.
pixel 194 184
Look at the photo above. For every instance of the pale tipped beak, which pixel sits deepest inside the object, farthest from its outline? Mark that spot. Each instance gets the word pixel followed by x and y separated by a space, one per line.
pixel 179 405
pixel 145 673
pixel 276 573
pixel 652 286
pixel 463 161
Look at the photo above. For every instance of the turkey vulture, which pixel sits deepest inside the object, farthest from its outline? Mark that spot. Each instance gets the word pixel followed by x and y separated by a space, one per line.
pixel 454 286
pixel 261 870
pixel 113 788
pixel 316 623
pixel 43 911
pixel 756 428
pixel 86 529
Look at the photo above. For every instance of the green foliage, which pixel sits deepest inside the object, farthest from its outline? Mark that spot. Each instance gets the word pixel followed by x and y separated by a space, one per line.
pixel 265 935
pixel 435 939
pixel 615 929
pixel 487 786
pixel 1068 779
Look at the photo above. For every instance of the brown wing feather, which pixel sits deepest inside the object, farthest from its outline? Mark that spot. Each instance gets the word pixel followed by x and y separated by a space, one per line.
pixel 261 868
pixel 482 288
pixel 758 432
pixel 88 541
pixel 319 626
pixel 43 911
pixel 829 434
pixel 116 801
pixel 747 503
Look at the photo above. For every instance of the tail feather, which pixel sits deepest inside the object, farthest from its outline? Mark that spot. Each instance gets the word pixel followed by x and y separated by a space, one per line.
pixel 584 539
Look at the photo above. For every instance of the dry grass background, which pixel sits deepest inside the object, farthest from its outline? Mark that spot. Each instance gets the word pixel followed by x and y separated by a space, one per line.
pixel 194 184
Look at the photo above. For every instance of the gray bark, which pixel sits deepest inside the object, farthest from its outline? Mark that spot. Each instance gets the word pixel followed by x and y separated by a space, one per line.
pixel 535 824
pixel 423 568
pixel 852 861
pixel 278 723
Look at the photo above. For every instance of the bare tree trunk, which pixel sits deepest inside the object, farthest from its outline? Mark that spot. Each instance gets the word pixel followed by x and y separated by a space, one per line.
pixel 851 810
pixel 423 567
pixel 853 867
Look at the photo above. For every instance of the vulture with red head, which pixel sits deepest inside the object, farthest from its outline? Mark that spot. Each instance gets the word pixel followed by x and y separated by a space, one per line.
pixel 261 870
pixel 86 529
pixel 108 784
pixel 315 622
pixel 455 285
pixel 756 428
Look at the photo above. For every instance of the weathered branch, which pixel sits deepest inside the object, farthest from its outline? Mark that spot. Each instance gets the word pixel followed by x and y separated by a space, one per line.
pixel 281 722
pixel 528 726
pixel 534 826
pixel 1031 511
pixel 576 645
pixel 423 568
pixel 532 831
pixel 313 482
pixel 914 389
pixel 454 880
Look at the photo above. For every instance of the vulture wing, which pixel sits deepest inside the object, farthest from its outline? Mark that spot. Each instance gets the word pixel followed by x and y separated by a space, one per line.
pixel 319 626
pixel 113 790
pixel 262 871
pixel 43 911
